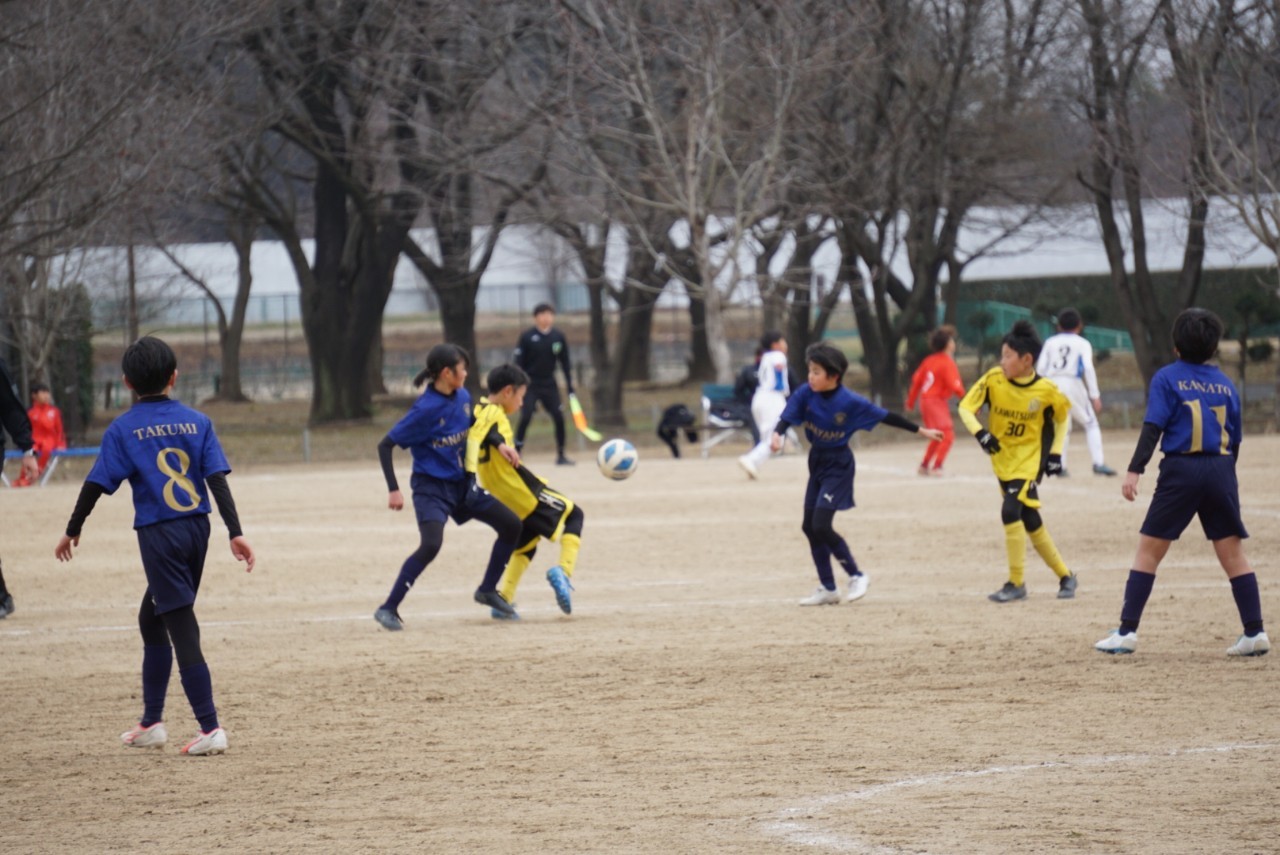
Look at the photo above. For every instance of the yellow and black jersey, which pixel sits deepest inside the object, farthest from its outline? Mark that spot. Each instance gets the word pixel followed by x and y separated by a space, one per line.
pixel 1028 417
pixel 516 487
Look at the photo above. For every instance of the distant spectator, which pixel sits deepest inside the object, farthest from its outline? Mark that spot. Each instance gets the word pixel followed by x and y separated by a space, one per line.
pixel 47 434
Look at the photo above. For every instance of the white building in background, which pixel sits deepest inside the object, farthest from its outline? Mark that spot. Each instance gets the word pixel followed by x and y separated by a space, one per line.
pixel 530 265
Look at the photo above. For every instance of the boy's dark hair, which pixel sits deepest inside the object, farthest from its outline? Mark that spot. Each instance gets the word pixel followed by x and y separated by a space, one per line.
pixel 543 307
pixel 1069 320
pixel 504 376
pixel 148 364
pixel 1023 339
pixel 39 387
pixel 940 338
pixel 439 358
pixel 769 339
pixel 831 359
pixel 1196 333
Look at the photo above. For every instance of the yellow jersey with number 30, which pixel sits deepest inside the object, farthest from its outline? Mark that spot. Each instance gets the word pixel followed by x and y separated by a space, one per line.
pixel 1029 418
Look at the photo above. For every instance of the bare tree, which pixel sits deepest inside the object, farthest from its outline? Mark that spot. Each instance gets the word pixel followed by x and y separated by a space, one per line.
pixel 1121 40
pixel 694 99
pixel 1241 117
pixel 76 85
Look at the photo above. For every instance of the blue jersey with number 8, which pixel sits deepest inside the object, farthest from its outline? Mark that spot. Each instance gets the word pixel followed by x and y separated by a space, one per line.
pixel 165 450
pixel 1196 407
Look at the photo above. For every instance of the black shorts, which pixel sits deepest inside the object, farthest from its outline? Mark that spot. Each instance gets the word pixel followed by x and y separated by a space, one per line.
pixel 437 501
pixel 831 473
pixel 173 554
pixel 1191 485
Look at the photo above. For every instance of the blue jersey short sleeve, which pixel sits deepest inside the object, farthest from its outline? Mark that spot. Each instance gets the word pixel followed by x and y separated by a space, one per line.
pixel 829 420
pixel 1196 408
pixel 435 432
pixel 165 450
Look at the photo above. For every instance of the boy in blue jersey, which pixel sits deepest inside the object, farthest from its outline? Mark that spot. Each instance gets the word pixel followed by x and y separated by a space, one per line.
pixel 1193 412
pixel 435 432
pixel 830 414
pixel 169 454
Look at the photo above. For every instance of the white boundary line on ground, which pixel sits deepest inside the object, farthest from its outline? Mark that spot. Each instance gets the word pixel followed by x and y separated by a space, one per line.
pixel 797 826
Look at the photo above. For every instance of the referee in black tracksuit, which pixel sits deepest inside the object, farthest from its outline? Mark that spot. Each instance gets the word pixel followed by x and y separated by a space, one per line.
pixel 539 349
pixel 14 417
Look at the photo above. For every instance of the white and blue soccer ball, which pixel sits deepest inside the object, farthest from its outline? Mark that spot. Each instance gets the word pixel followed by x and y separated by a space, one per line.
pixel 617 459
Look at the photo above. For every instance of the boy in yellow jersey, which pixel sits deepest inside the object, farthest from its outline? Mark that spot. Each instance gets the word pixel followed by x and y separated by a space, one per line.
pixel 543 511
pixel 1028 420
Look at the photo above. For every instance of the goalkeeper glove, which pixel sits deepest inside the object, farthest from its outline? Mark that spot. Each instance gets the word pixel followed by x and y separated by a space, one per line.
pixel 989 443
pixel 1053 466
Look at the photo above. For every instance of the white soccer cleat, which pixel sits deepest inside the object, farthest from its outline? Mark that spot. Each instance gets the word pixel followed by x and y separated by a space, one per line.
pixel 138 736
pixel 750 468
pixel 821 597
pixel 857 587
pixel 213 742
pixel 1258 645
pixel 1118 642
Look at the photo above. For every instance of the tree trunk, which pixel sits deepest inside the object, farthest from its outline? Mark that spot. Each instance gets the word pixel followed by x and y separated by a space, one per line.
pixel 701 368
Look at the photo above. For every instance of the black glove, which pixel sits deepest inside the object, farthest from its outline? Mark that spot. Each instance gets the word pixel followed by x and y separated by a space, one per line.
pixel 989 443
pixel 1053 466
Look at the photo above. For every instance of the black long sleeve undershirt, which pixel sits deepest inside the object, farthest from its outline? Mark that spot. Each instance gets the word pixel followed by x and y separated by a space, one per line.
pixel 890 419
pixel 900 422
pixel 218 488
pixel 1147 443
pixel 385 448
pixel 221 491
pixel 89 495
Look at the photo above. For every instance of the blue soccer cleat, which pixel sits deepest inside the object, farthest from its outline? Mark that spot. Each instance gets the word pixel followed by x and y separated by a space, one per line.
pixel 561 585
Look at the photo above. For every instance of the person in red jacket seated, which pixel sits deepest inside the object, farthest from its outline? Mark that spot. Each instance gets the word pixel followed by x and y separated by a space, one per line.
pixel 47 434
pixel 934 382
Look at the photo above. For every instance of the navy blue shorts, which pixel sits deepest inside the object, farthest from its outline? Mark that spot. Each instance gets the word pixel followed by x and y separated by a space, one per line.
pixel 1191 485
pixel 436 501
pixel 830 479
pixel 173 558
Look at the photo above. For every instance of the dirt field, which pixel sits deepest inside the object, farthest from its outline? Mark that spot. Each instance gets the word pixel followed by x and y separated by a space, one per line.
pixel 688 704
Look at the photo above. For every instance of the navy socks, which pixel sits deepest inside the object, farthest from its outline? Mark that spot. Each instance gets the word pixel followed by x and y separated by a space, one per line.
pixel 1136 592
pixel 157 664
pixel 199 688
pixel 1245 590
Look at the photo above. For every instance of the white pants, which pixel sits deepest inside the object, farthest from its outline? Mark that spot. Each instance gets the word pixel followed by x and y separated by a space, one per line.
pixel 766 409
pixel 1081 412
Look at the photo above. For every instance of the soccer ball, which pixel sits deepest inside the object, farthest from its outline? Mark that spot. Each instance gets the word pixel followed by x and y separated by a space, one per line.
pixel 617 459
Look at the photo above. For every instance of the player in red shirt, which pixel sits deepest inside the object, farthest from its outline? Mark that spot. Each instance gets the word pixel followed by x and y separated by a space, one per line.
pixel 47 435
pixel 934 382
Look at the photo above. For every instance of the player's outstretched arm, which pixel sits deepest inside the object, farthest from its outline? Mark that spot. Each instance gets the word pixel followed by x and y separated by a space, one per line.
pixel 242 551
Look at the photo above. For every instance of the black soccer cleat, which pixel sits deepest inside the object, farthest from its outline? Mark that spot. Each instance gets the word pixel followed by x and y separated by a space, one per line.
pixel 495 601
pixel 1067 587
pixel 6 605
pixel 389 619
pixel 1008 593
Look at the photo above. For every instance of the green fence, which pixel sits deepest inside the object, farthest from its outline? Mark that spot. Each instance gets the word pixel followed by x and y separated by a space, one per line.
pixel 979 319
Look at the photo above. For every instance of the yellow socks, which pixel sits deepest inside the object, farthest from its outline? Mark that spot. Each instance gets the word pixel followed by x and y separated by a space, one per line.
pixel 1015 543
pixel 511 576
pixel 1043 543
pixel 569 545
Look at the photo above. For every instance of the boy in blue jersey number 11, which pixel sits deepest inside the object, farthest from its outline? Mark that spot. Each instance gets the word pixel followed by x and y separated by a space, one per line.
pixel 173 462
pixel 1193 412
pixel 830 414
pixel 435 432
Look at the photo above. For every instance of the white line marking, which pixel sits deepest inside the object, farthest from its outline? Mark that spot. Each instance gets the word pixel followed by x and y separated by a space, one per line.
pixel 805 831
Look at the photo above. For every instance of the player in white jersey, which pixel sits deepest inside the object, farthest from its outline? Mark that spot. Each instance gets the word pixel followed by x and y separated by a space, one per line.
pixel 769 400
pixel 1067 360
